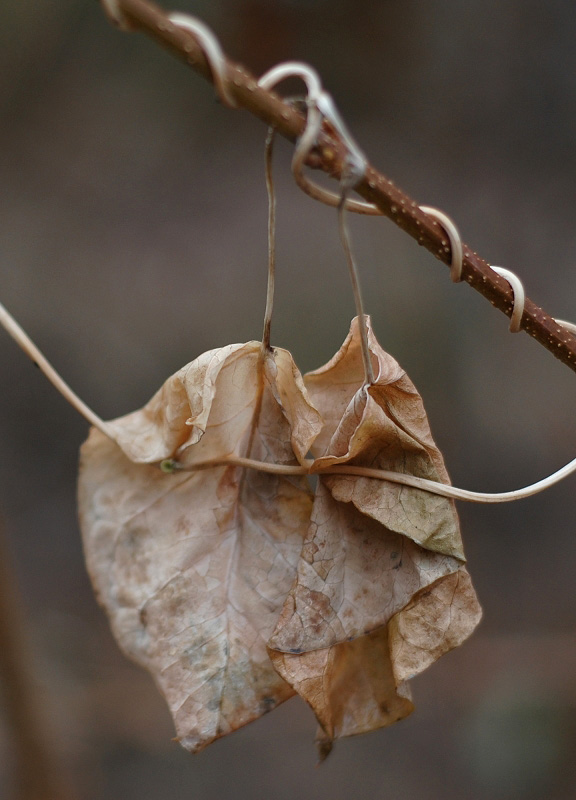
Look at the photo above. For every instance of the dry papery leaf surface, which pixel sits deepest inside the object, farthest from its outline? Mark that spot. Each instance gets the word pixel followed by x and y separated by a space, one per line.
pixel 237 588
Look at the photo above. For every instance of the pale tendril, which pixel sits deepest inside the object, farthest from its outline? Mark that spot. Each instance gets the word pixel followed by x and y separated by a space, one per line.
pixel 211 48
pixel 519 297
pixel 457 254
pixel 320 106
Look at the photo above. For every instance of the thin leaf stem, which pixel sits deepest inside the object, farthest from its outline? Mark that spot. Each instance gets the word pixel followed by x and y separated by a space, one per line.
pixel 353 270
pixel 269 151
pixel 434 487
pixel 237 461
pixel 21 338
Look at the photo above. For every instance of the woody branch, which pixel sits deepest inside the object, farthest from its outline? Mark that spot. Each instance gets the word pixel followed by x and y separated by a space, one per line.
pixel 329 155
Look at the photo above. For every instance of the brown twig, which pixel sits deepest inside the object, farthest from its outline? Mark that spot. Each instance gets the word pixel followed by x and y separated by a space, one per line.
pixel 37 771
pixel 140 15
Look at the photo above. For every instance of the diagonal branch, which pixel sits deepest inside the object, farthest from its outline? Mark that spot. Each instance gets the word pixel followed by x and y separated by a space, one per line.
pixel 141 15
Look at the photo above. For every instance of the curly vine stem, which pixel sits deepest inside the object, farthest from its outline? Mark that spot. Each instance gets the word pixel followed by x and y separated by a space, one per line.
pixel 330 156
pixel 433 487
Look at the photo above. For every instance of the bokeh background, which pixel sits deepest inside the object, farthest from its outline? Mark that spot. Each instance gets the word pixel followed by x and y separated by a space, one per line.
pixel 133 238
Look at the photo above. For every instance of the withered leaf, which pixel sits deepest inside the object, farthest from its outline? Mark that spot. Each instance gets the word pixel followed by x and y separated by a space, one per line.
pixel 200 569
pixel 193 567
pixel 383 426
pixel 381 580
pixel 329 678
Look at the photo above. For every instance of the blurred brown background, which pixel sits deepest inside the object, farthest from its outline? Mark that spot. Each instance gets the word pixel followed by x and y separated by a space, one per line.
pixel 133 238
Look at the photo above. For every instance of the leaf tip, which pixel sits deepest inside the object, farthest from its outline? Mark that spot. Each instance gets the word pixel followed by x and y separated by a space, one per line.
pixel 324 747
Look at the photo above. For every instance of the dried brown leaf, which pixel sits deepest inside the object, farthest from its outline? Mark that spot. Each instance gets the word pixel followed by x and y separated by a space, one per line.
pixel 437 620
pixel 383 426
pixel 329 678
pixel 193 567
pixel 381 579
pixel 353 576
pixel 199 569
